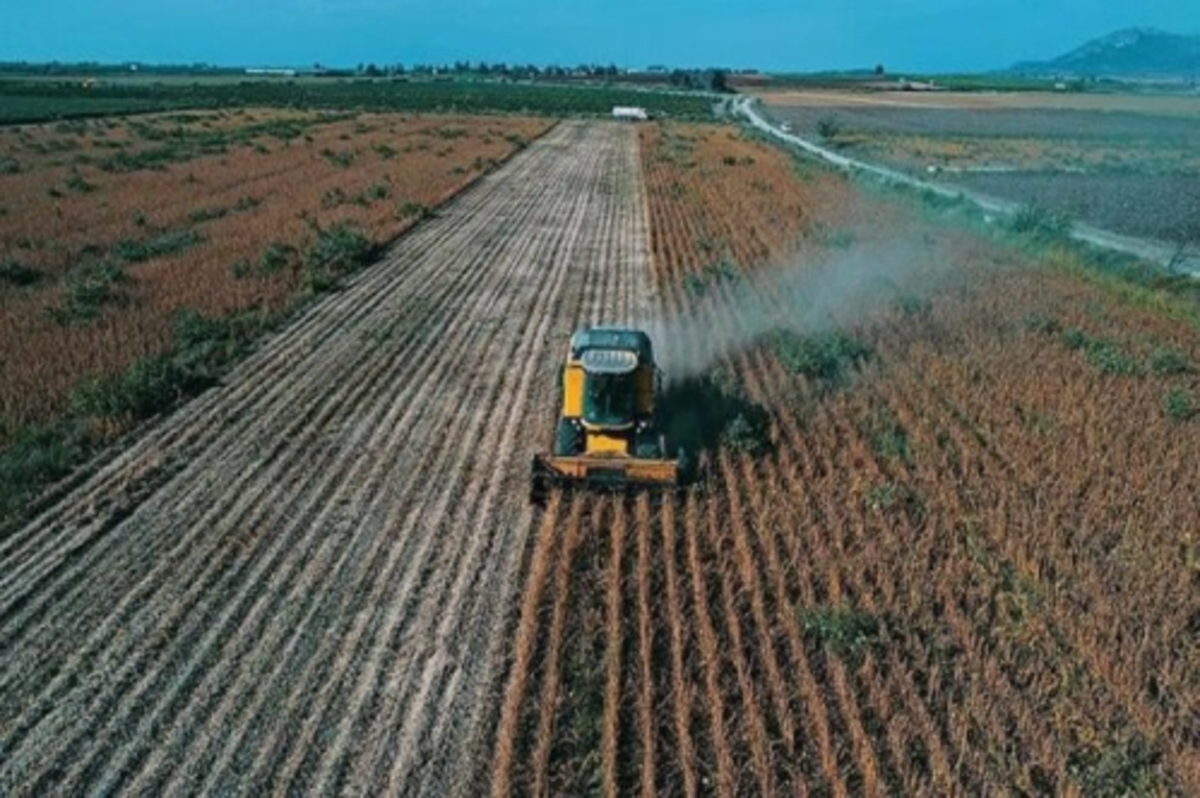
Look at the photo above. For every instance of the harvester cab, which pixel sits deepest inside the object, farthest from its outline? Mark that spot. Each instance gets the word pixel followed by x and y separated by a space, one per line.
pixel 608 433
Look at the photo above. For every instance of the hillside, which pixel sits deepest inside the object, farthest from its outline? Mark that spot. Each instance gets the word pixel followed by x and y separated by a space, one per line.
pixel 1134 52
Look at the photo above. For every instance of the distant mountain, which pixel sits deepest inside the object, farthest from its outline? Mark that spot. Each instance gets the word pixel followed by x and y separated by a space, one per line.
pixel 1134 52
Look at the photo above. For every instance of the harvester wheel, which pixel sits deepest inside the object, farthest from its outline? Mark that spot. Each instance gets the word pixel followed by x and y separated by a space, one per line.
pixel 649 445
pixel 685 466
pixel 568 440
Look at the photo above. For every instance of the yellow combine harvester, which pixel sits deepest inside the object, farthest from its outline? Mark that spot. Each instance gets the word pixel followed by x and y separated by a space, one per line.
pixel 607 435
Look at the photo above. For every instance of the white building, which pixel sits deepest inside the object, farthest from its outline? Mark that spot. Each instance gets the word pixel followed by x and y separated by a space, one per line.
pixel 629 112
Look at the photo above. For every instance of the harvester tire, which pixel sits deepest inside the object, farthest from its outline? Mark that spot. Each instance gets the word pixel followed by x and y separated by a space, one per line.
pixel 568 440
pixel 649 445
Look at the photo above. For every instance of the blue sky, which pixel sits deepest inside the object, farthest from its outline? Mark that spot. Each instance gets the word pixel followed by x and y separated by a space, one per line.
pixel 914 35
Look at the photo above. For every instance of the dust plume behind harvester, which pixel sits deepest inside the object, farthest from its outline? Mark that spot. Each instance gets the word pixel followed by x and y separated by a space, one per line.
pixel 609 434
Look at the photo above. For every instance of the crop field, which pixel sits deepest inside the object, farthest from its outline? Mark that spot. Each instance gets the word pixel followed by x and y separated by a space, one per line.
pixel 68 97
pixel 931 540
pixel 125 239
pixel 1124 163
pixel 941 541
pixel 301 580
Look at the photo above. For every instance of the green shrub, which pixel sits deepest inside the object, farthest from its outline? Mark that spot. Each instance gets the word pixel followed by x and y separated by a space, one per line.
pixel 155 158
pixel 89 289
pixel 1124 767
pixel 275 258
pixel 333 198
pixel 1165 361
pixel 829 127
pixel 912 304
pixel 340 159
pixel 151 385
pixel 159 246
pixel 374 193
pixel 204 346
pixel 37 456
pixel 723 271
pixel 748 433
pixel 1041 223
pixel 14 273
pixel 842 630
pixel 1106 356
pixel 75 182
pixel 823 356
pixel 888 437
pixel 207 215
pixel 1041 324
pixel 1111 359
pixel 337 251
pixel 1178 404
pixel 417 209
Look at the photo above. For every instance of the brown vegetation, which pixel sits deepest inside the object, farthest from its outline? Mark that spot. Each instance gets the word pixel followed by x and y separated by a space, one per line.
pixel 123 223
pixel 965 566
pixel 942 542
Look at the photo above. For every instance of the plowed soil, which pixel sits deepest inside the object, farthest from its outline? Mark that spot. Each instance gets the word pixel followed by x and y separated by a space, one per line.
pixel 300 581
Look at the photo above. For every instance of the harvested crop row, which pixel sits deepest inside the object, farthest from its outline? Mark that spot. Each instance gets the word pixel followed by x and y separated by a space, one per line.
pixel 301 581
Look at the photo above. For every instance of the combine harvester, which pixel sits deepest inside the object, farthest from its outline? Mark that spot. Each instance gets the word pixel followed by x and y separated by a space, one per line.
pixel 608 435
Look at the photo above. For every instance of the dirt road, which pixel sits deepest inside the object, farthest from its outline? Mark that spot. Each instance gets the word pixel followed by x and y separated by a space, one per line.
pixel 303 581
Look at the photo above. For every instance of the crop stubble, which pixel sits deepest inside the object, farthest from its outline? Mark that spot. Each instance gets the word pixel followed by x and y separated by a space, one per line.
pixel 300 580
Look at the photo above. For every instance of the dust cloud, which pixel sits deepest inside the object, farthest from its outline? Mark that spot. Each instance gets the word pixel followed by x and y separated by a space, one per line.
pixel 832 291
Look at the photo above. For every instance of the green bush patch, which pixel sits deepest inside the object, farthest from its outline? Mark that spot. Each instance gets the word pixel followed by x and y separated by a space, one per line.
pixel 1178 404
pixel 14 273
pixel 827 356
pixel 89 289
pixel 338 251
pixel 1041 223
pixel 151 385
pixel 843 631
pixel 1164 361
pixel 133 251
pixel 1106 356
pixel 38 456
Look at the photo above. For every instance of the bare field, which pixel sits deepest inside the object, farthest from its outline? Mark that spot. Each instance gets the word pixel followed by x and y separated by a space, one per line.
pixel 301 581
pixel 1122 162
pixel 110 228
pixel 1140 104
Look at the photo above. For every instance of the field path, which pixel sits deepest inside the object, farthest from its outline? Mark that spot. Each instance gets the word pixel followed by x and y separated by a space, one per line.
pixel 305 579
